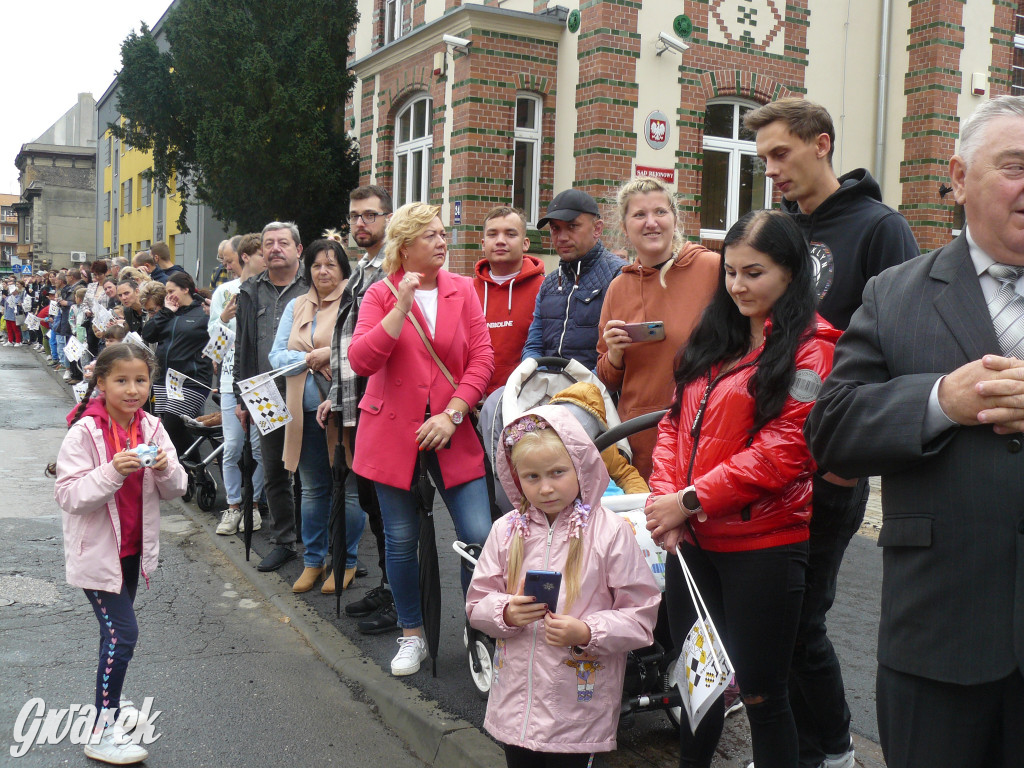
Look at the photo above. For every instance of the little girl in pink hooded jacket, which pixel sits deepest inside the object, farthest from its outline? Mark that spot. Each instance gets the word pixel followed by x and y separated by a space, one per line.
pixel 560 698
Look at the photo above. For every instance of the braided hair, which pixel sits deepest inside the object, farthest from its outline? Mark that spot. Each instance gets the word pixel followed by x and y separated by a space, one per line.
pixel 111 354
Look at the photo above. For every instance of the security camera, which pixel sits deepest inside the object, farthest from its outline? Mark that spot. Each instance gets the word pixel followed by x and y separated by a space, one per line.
pixel 666 41
pixel 458 43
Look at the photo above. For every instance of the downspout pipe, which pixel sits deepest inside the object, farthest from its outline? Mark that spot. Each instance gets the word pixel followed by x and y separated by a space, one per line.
pixel 883 83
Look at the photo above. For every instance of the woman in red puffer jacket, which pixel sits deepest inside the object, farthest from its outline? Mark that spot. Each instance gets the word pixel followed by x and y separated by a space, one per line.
pixel 732 474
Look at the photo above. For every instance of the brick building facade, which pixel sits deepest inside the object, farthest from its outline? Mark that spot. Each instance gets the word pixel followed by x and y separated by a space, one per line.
pixel 548 96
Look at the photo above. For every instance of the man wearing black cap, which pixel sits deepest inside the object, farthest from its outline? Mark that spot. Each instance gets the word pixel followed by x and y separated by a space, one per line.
pixel 568 308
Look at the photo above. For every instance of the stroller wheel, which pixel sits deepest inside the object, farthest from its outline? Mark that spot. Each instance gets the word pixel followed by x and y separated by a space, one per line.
pixel 674 714
pixel 190 489
pixel 206 493
pixel 480 665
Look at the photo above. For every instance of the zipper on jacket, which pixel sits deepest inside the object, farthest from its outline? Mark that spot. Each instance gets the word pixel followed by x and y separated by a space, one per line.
pixel 568 308
pixel 533 648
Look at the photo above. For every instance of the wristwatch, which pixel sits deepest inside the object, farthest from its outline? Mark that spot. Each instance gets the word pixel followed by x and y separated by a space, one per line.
pixel 690 500
pixel 454 415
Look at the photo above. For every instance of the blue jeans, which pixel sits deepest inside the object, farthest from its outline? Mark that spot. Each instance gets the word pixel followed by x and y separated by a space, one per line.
pixel 355 520
pixel 53 346
pixel 59 343
pixel 315 474
pixel 234 438
pixel 470 509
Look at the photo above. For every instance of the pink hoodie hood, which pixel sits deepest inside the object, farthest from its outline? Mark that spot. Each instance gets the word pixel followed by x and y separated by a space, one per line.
pixel 590 468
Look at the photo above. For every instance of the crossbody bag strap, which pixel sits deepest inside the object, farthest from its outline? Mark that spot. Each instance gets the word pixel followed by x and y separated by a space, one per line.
pixel 426 341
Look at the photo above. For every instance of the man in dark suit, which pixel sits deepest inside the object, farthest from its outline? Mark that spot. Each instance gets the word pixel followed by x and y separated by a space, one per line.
pixel 928 391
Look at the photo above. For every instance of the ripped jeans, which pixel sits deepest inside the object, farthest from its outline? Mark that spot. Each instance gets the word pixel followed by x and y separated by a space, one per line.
pixel 754 599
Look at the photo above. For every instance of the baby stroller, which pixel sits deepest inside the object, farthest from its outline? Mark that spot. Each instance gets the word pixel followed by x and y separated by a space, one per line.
pixel 648 670
pixel 534 383
pixel 201 482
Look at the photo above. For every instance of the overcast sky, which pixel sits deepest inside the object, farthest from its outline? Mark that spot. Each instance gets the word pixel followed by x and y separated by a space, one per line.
pixel 52 51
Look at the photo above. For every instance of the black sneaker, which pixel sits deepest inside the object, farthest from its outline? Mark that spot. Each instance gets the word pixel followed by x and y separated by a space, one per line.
pixel 384 620
pixel 373 600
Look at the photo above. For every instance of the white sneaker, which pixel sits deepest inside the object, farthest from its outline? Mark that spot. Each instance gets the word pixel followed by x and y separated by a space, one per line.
pixel 67 376
pixel 116 747
pixel 843 760
pixel 229 521
pixel 129 715
pixel 257 521
pixel 411 651
pixel 17 343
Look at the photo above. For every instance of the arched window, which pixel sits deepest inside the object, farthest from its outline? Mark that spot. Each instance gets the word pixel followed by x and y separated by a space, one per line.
pixel 413 141
pixel 526 160
pixel 733 181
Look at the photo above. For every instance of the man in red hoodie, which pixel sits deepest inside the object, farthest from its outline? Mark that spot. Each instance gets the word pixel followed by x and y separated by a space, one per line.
pixel 507 282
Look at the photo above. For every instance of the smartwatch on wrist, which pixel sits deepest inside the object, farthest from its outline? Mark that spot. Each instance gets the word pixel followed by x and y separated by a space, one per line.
pixel 690 500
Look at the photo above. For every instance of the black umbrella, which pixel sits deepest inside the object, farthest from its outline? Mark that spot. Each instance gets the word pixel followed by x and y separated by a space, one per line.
pixel 336 524
pixel 430 573
pixel 247 466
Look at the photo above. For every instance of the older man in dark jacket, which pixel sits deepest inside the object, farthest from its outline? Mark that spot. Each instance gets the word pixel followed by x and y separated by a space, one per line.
pixel 261 302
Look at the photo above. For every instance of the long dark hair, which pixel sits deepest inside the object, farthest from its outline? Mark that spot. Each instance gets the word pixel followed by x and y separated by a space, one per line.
pixel 723 333
pixel 111 355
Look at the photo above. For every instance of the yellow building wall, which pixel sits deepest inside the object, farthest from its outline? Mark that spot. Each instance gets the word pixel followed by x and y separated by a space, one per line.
pixel 136 222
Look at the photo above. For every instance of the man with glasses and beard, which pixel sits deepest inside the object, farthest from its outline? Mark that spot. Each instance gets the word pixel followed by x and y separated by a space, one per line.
pixel 369 212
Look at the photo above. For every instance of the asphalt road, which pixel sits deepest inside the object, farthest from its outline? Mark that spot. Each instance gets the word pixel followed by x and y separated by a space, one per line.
pixel 648 740
pixel 236 685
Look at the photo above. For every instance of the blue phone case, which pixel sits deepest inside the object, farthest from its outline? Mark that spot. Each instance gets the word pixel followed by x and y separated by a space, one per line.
pixel 544 586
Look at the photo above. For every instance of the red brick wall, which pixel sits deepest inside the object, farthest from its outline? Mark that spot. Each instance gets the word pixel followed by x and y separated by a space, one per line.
pixel 708 71
pixel 932 85
pixel 484 88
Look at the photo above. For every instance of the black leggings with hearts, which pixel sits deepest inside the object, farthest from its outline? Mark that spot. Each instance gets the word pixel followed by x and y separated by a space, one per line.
pixel 119 631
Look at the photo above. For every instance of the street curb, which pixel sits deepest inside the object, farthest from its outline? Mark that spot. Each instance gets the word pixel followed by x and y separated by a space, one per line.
pixel 433 735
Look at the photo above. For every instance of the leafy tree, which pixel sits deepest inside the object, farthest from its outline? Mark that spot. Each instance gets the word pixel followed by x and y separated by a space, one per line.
pixel 247 108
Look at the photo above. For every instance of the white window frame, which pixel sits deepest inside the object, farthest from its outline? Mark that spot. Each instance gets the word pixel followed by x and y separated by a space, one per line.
pixel 534 136
pixel 408 149
pixel 393 22
pixel 736 148
pixel 1018 42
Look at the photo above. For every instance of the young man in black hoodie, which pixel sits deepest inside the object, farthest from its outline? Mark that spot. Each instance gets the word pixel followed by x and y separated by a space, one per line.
pixel 853 236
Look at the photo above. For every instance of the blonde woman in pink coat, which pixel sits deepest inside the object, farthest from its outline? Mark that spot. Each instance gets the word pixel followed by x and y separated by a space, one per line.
pixel 110 495
pixel 411 410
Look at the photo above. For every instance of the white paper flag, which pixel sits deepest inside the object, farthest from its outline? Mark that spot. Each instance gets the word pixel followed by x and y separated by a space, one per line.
pixel 79 390
pixel 247 385
pixel 90 292
pixel 134 338
pixel 175 382
pixel 218 345
pixel 31 322
pixel 101 316
pixel 267 408
pixel 73 349
pixel 26 303
pixel 54 308
pixel 703 670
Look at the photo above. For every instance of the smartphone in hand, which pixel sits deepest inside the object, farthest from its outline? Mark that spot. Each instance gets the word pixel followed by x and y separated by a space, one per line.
pixel 544 586
pixel 640 332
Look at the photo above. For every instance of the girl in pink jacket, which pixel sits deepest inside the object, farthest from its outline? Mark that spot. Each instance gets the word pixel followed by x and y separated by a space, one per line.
pixel 111 496
pixel 558 669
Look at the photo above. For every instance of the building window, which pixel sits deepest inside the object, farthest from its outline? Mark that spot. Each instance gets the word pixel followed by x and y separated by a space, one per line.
pixel 8 252
pixel 9 231
pixel 117 162
pixel 733 181
pixel 106 208
pixel 393 18
pixel 126 196
pixel 126 251
pixel 526 159
pixel 1017 76
pixel 144 186
pixel 414 139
